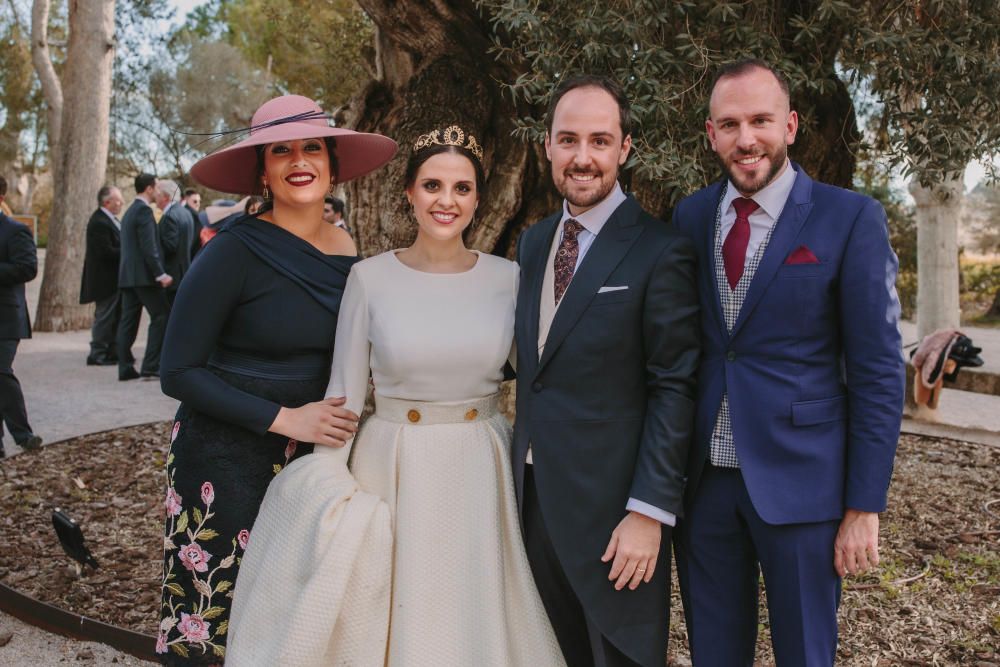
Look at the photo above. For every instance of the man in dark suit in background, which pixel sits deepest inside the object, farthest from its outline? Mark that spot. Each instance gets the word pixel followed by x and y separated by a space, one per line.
pixel 100 275
pixel 18 265
pixel 192 204
pixel 176 230
pixel 142 281
pixel 800 389
pixel 607 344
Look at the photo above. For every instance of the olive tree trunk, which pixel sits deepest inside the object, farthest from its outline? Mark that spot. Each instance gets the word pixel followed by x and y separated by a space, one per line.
pixel 82 161
pixel 434 69
pixel 938 211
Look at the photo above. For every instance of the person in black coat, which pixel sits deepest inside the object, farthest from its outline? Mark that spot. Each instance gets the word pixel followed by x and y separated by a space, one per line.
pixel 142 281
pixel 100 275
pixel 18 265
pixel 192 204
pixel 176 230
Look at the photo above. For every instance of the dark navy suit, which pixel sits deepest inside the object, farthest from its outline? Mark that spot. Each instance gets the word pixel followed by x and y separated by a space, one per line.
pixel 814 375
pixel 607 411
pixel 18 265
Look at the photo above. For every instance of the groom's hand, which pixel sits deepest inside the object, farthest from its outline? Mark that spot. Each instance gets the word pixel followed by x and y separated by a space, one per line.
pixel 634 545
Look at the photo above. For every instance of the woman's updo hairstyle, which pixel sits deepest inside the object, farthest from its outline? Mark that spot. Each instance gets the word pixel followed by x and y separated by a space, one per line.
pixel 451 139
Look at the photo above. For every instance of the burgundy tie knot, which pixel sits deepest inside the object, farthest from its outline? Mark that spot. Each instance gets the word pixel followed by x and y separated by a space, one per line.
pixel 734 248
pixel 744 207
pixel 571 229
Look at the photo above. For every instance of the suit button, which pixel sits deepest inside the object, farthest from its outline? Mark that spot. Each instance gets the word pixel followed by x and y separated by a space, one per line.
pixel 413 416
pixel 731 356
pixel 537 387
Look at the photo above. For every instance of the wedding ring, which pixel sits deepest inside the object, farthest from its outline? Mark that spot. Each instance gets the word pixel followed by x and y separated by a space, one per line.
pixel 639 569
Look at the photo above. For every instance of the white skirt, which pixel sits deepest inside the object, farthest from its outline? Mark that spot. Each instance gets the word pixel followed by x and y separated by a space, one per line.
pixel 450 586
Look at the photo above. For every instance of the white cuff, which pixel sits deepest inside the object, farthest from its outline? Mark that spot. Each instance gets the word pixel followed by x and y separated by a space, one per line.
pixel 646 509
pixel 161 277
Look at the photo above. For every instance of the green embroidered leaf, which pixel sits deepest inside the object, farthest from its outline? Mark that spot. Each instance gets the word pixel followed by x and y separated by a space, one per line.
pixel 196 515
pixel 223 628
pixel 227 562
pixel 168 544
pixel 170 459
pixel 206 534
pixel 180 649
pixel 213 612
pixel 277 468
pixel 182 522
pixel 218 650
pixel 175 589
pixel 223 586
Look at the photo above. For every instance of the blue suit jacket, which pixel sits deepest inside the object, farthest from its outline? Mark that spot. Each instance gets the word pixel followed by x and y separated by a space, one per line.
pixel 813 367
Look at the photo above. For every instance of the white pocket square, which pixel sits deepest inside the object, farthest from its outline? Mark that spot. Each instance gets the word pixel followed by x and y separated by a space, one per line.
pixel 609 288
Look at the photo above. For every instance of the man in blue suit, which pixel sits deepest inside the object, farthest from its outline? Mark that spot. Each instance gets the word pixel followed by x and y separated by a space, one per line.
pixel 800 389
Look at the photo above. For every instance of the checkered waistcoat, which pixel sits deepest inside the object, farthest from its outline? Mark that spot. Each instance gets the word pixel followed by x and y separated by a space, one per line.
pixel 723 448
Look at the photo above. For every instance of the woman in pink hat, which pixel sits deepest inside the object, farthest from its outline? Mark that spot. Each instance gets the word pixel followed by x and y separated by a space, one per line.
pixel 247 352
pixel 412 557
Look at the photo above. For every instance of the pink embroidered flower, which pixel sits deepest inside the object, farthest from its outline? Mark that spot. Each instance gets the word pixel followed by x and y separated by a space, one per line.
pixel 193 627
pixel 173 502
pixel 207 493
pixel 175 431
pixel 290 449
pixel 243 538
pixel 161 643
pixel 195 558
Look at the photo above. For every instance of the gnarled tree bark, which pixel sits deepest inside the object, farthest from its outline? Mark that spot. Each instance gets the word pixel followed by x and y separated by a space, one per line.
pixel 82 161
pixel 434 69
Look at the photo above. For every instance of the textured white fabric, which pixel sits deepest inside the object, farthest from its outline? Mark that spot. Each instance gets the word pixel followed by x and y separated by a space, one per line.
pixel 452 585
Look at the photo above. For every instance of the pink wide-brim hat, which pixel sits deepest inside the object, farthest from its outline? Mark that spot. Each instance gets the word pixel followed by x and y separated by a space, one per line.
pixel 287 118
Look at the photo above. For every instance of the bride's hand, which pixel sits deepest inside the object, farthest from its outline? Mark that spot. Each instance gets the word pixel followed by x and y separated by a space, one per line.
pixel 324 422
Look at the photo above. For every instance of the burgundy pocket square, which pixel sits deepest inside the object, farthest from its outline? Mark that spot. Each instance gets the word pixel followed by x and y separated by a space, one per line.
pixel 802 255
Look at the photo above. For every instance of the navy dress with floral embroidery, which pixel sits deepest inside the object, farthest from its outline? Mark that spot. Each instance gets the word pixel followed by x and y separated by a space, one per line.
pixel 252 330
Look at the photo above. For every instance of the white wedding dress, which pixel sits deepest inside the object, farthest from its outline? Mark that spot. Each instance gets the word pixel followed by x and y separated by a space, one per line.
pixel 417 558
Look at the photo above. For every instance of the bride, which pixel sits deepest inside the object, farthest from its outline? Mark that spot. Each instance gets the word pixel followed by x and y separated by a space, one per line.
pixel 416 558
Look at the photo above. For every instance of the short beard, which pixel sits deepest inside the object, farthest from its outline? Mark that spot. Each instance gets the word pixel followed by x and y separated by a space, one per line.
pixel 753 188
pixel 591 200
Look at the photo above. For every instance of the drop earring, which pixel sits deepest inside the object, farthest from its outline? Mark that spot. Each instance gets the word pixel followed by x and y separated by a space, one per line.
pixel 266 194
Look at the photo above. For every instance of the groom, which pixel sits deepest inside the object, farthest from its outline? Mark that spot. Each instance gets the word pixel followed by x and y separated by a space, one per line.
pixel 607 337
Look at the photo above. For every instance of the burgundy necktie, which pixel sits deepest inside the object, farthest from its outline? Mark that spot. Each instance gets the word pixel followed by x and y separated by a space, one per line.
pixel 734 248
pixel 565 261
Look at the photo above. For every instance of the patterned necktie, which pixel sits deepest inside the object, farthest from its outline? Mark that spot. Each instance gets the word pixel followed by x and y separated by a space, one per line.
pixel 734 248
pixel 565 261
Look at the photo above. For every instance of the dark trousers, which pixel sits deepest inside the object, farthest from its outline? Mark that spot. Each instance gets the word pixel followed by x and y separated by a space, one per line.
pixel 12 411
pixel 134 299
pixel 581 641
pixel 104 332
pixel 722 548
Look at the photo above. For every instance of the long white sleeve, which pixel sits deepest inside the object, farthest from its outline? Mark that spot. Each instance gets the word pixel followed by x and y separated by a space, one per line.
pixel 352 347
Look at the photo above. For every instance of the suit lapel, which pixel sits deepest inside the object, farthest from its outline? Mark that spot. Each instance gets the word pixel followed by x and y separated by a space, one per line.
pixel 607 251
pixel 786 230
pixel 708 268
pixel 534 271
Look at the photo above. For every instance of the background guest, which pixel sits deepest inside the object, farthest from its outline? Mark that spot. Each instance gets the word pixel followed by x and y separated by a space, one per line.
pixel 18 265
pixel 333 212
pixel 175 231
pixel 192 203
pixel 99 283
pixel 141 279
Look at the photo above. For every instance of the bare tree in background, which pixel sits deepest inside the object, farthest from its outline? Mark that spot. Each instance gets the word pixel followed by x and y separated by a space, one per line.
pixel 79 105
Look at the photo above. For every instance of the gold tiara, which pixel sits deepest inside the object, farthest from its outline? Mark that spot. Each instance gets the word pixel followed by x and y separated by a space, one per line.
pixel 450 136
